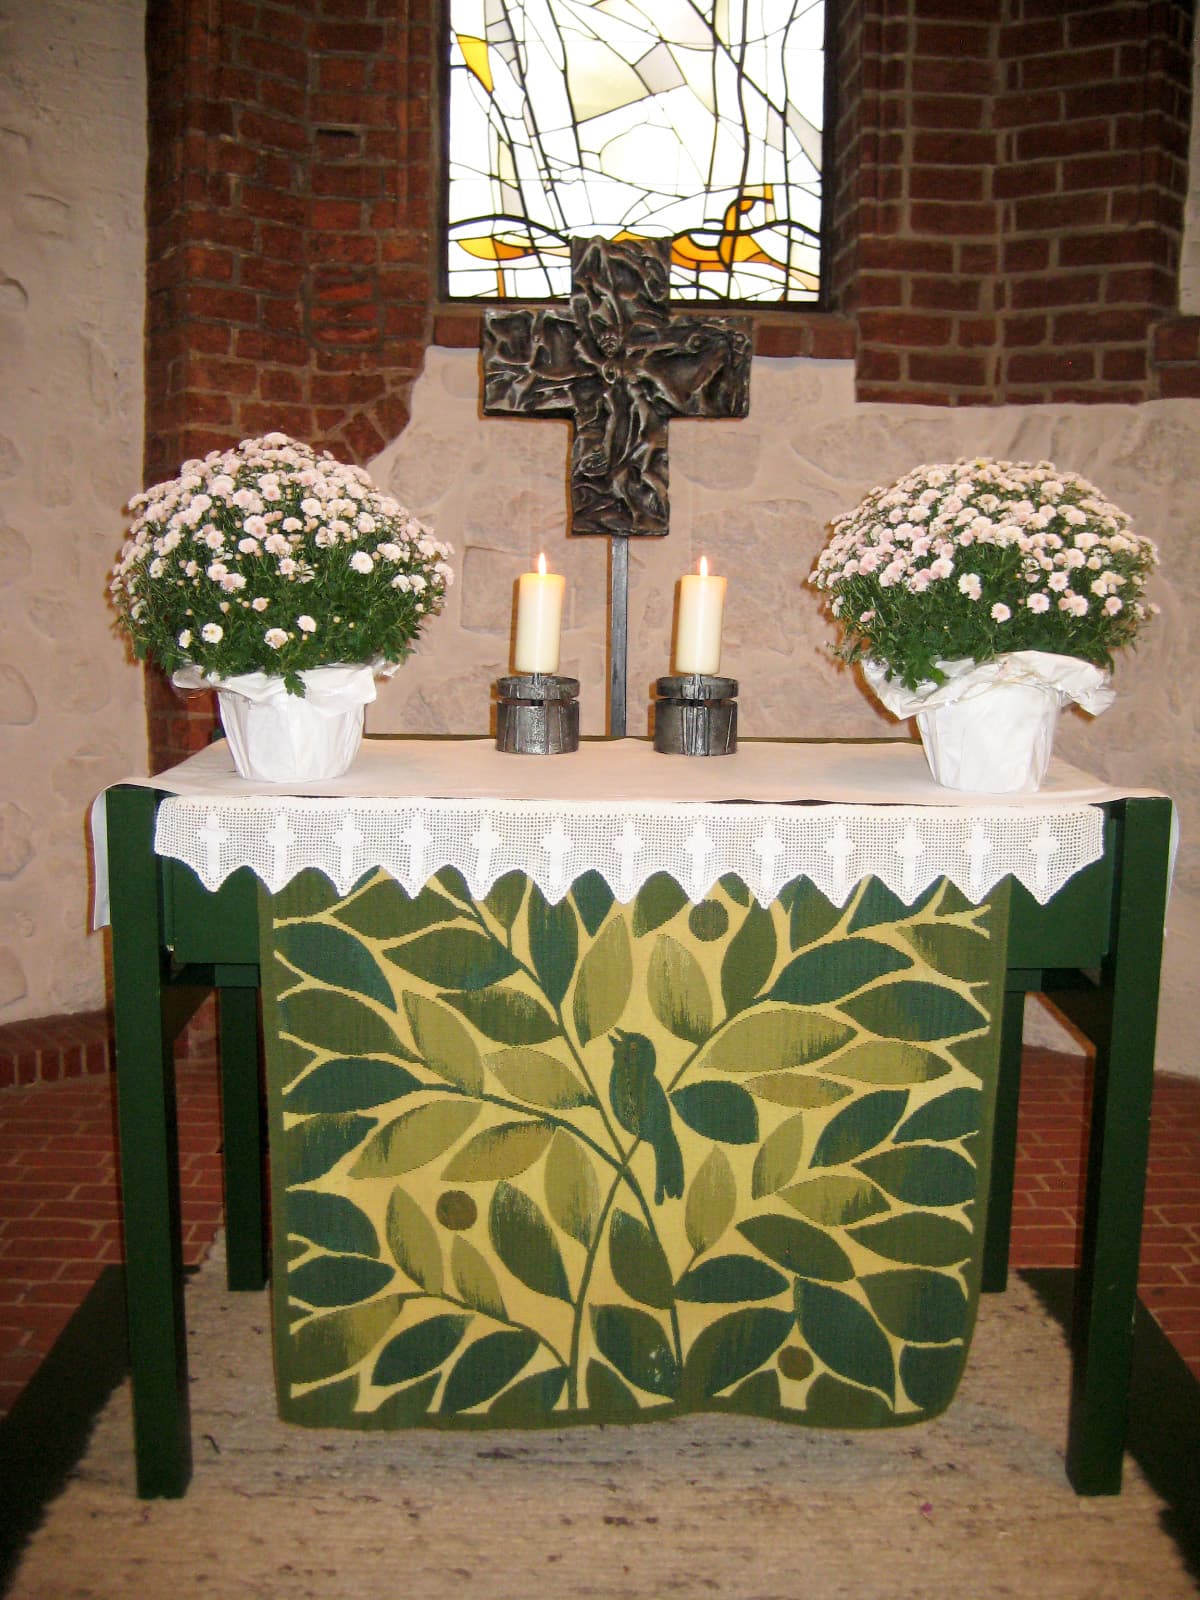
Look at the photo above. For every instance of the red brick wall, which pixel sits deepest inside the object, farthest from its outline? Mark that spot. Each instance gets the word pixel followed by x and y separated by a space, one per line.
pixel 1006 217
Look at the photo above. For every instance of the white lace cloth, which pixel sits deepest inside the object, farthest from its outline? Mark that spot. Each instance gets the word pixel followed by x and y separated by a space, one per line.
pixel 832 813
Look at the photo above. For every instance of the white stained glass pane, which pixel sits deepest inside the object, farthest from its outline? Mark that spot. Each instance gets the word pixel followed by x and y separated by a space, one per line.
pixel 696 119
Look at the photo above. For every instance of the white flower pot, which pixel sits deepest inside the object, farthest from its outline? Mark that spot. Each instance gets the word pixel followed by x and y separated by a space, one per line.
pixel 989 728
pixel 277 737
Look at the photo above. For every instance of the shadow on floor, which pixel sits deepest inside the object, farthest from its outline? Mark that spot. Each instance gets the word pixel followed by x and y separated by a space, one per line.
pixel 1164 1411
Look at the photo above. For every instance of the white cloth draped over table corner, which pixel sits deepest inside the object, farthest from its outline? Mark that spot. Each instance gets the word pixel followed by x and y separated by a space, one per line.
pixel 834 813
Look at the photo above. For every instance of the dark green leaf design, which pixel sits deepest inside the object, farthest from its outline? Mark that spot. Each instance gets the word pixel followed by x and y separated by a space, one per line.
pixel 678 991
pixel 845 1336
pixel 403 1409
pixel 708 921
pixel 758 1396
pixel 729 1280
pixel 327 1345
pixel 919 1305
pixel 318 1143
pixel 641 1106
pixel 831 971
pixel 877 904
pixel 887 1061
pixel 504 900
pixel 500 1152
pixel 454 958
pixel 337 1280
pixel 949 1116
pixel 637 1346
pixel 860 1126
pixel 529 1403
pixel 335 958
pixel 328 1020
pixel 419 1349
pixel 735 889
pixel 834 1199
pixel 507 1015
pixel 749 958
pixel 354 1084
pixel 522 1239
pixel 659 898
pixel 413 1241
pixel 474 1278
pixel 718 1110
pixel 830 1403
pixel 331 1221
pixel 384 911
pixel 553 943
pixel 486 1366
pixel 731 1348
pixel 798 1247
pixel 451 880
pixel 572 1193
pixel 799 1089
pixel 602 987
pixel 325 1407
pixel 447 1047
pixel 810 915
pixel 922 1238
pixel 711 1202
pixel 638 1263
pixel 778 1157
pixel 607 1396
pixel 767 1039
pixel 923 1175
pixel 930 1374
pixel 414 1138
pixel 910 1010
pixel 539 1078
pixel 592 898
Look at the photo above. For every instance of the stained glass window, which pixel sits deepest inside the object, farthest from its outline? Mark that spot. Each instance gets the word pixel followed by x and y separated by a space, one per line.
pixel 697 120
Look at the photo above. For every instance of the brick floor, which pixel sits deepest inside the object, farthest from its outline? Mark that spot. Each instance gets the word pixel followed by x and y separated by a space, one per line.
pixel 60 1214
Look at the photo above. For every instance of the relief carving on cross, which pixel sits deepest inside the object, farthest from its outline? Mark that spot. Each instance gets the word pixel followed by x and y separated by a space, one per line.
pixel 619 366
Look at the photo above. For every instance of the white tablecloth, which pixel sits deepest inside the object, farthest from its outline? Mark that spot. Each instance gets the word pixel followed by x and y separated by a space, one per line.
pixel 835 813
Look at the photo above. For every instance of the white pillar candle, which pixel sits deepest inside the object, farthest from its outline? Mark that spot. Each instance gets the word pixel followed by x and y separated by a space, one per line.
pixel 539 620
pixel 698 633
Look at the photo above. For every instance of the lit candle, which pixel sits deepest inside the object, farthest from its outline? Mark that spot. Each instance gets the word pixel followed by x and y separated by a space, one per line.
pixel 698 634
pixel 539 619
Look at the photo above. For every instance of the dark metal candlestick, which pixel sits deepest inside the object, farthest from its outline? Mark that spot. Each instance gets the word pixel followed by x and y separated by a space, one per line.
pixel 537 715
pixel 695 714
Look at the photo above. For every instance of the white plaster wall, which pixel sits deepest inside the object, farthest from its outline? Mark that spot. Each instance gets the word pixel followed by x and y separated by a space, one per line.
pixel 756 496
pixel 72 246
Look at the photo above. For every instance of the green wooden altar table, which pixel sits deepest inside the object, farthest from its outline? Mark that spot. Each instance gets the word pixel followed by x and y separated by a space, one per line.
pixel 559 1145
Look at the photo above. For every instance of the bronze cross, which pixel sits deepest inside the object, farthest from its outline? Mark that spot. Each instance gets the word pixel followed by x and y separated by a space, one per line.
pixel 620 367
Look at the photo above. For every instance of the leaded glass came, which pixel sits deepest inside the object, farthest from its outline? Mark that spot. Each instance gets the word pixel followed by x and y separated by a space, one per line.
pixel 694 120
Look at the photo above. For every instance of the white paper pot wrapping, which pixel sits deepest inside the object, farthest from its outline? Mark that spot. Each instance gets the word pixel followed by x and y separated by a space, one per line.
pixel 278 737
pixel 990 727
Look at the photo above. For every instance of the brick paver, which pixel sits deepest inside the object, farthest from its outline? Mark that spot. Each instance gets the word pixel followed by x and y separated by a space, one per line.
pixel 60 1209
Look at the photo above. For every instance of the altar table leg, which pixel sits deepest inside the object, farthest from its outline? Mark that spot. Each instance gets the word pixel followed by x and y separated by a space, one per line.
pixel 1106 1293
pixel 994 1277
pixel 241 1119
pixel 149 1153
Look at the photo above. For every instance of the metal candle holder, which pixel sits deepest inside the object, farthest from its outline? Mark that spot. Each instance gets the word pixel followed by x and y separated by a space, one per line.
pixel 537 714
pixel 695 715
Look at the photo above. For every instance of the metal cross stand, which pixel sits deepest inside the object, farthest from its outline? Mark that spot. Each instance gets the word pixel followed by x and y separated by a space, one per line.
pixel 620 367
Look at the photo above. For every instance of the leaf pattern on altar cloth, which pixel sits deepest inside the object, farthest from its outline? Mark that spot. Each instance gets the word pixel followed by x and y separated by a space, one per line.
pixel 538 1164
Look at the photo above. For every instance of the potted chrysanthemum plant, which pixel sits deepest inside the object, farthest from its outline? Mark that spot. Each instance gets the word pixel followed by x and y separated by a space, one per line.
pixel 288 582
pixel 980 596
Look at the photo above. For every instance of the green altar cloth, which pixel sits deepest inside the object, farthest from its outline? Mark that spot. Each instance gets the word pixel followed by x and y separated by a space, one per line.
pixel 538 1164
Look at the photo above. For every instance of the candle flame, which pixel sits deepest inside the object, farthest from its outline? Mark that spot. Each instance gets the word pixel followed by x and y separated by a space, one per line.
pixel 704 566
pixel 542 565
